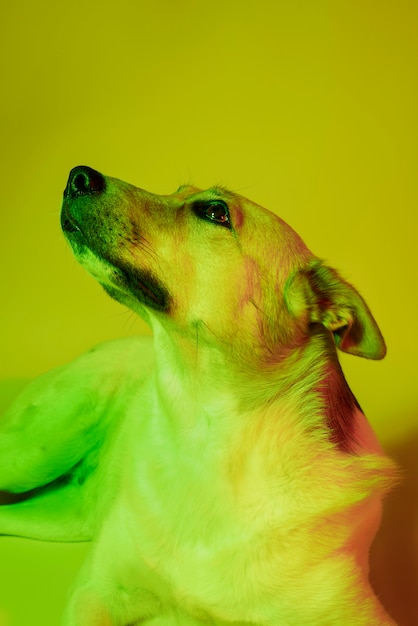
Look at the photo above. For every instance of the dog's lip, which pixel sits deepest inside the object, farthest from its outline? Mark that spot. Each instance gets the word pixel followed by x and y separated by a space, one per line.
pixel 137 281
pixel 149 294
pixel 68 223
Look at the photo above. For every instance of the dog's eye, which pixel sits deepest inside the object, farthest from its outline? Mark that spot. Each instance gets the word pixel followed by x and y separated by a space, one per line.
pixel 213 211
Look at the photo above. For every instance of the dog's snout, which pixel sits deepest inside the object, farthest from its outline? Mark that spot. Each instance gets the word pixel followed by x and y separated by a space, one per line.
pixel 84 181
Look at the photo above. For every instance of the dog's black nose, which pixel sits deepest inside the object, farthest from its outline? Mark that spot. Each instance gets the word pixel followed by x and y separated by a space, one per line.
pixel 84 181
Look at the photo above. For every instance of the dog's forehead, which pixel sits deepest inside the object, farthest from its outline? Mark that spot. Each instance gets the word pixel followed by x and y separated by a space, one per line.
pixel 191 193
pixel 247 214
pixel 216 191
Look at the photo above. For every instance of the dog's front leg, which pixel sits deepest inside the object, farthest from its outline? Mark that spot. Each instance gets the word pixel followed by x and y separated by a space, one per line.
pixel 89 603
pixel 88 607
pixel 114 586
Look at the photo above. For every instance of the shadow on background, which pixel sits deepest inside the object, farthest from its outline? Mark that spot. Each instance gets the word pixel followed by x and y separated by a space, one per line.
pixel 394 557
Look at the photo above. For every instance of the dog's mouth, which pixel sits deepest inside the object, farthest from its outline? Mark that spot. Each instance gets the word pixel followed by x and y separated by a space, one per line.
pixel 120 280
pixel 69 224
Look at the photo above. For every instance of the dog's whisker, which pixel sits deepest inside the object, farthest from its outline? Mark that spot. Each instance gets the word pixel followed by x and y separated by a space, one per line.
pixel 145 245
pixel 197 343
pixel 260 309
pixel 129 323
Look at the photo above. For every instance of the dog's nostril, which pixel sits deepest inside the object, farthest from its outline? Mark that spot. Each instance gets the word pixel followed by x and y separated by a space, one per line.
pixel 80 183
pixel 84 181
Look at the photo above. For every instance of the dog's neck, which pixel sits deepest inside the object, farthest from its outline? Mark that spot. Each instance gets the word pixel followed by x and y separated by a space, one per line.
pixel 197 382
pixel 268 430
pixel 346 423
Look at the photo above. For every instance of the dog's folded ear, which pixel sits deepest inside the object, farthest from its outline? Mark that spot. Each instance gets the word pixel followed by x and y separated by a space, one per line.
pixel 320 295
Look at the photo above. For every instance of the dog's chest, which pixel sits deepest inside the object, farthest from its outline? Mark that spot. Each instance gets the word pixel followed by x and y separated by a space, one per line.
pixel 205 520
pixel 188 524
pixel 199 551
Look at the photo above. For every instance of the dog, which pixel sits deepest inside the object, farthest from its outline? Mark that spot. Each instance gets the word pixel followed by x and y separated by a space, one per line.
pixel 223 469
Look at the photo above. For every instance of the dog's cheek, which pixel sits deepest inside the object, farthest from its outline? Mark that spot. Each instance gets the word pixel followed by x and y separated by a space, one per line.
pixel 179 277
pixel 225 308
pixel 280 329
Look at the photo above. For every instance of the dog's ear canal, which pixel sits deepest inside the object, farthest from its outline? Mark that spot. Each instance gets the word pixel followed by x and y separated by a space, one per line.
pixel 322 296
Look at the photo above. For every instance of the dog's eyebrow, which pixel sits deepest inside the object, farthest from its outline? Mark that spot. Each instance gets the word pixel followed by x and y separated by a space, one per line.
pixel 218 191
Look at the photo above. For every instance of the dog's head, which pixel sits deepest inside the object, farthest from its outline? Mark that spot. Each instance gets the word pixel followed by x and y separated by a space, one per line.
pixel 213 265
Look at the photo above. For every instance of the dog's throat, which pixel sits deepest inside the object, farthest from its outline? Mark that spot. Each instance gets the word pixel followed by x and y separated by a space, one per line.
pixel 340 406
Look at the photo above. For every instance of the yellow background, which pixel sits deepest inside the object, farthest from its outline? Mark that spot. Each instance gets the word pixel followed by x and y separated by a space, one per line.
pixel 307 107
